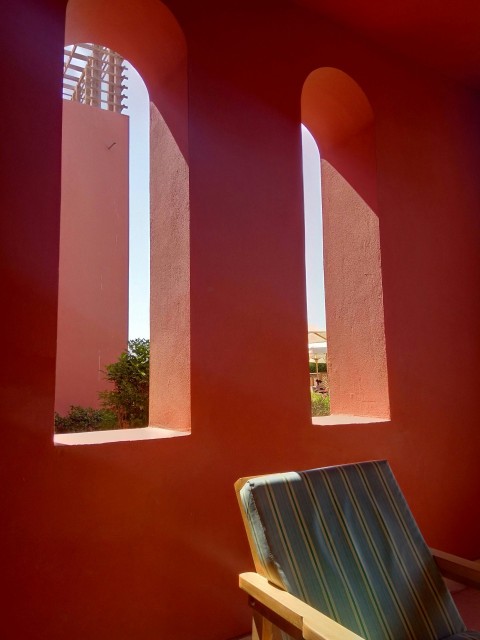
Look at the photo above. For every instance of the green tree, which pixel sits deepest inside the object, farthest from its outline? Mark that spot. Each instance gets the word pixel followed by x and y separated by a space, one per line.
pixel 130 375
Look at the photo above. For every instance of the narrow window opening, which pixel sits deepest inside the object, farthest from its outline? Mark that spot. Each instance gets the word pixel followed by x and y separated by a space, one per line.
pixel 340 119
pixel 102 380
pixel 148 298
pixel 317 334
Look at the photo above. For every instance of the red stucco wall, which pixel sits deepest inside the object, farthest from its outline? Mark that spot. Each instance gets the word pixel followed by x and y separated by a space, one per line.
pixel 144 539
pixel 170 280
pixel 93 268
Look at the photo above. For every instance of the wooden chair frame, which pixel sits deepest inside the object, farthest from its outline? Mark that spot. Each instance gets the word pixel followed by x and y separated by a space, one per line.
pixel 275 609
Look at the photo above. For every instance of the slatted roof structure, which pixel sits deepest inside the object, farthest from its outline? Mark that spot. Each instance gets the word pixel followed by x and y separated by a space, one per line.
pixel 94 75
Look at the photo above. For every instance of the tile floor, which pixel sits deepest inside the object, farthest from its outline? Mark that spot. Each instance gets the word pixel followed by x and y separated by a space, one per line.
pixel 468 603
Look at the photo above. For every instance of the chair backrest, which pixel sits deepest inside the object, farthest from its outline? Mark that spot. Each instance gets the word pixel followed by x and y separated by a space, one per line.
pixel 344 540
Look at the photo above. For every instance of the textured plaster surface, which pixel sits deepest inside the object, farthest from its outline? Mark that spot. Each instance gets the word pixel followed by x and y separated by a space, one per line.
pixel 138 539
pixel 354 301
pixel 170 280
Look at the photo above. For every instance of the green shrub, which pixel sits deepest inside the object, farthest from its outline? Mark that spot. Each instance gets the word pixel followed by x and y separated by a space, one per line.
pixel 322 367
pixel 124 406
pixel 80 419
pixel 320 404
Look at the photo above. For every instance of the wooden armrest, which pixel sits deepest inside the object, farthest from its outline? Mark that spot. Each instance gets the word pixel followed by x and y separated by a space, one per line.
pixel 293 611
pixel 314 629
pixel 465 571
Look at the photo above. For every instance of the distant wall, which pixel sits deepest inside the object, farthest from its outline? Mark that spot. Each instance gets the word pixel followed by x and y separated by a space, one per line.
pixel 93 267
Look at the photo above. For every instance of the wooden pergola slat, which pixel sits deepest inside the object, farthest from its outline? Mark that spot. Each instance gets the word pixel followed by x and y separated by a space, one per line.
pixel 100 82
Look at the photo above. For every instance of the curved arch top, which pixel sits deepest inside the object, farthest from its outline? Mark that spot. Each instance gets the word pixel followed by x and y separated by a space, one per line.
pixel 334 107
pixel 148 35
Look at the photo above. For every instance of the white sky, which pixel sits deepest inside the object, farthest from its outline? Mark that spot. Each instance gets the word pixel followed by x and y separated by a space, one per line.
pixel 138 108
pixel 313 231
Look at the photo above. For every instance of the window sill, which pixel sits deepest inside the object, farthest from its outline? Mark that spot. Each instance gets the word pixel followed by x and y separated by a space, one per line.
pixel 116 435
pixel 339 419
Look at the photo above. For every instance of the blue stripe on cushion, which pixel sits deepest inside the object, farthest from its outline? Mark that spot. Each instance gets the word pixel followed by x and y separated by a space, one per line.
pixel 343 540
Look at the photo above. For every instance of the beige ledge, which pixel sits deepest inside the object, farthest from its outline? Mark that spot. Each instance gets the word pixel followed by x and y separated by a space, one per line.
pixel 116 435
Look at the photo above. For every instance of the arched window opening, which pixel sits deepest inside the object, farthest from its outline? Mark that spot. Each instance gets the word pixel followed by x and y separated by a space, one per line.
pixel 154 43
pixel 104 244
pixel 339 117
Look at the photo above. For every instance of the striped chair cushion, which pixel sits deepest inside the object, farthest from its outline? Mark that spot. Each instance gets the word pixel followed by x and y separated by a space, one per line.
pixel 344 540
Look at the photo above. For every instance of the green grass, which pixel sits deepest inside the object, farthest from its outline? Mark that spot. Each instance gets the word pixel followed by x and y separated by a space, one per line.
pixel 320 404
